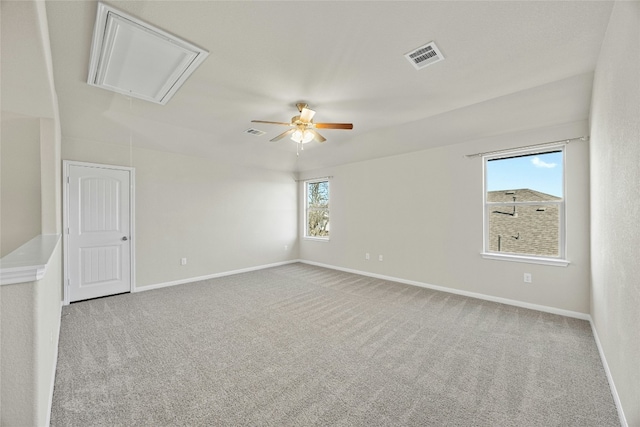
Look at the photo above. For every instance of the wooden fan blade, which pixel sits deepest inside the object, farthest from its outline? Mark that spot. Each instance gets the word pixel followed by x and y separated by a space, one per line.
pixel 334 125
pixel 282 135
pixel 316 136
pixel 271 123
pixel 306 115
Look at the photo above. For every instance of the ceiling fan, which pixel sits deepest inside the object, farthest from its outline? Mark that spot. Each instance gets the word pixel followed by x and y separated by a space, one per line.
pixel 303 129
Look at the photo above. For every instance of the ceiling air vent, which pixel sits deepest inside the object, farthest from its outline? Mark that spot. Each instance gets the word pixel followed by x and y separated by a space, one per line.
pixel 255 132
pixel 131 57
pixel 424 56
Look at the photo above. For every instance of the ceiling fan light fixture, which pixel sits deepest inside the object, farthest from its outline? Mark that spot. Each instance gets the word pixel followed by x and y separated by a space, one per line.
pixel 302 136
pixel 302 129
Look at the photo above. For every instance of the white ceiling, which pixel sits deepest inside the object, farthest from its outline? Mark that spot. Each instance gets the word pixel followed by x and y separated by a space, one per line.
pixel 510 65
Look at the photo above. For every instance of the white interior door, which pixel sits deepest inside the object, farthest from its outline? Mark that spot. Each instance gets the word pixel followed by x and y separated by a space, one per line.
pixel 99 223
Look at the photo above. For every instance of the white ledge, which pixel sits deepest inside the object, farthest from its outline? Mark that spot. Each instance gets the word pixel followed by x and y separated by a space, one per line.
pixel 29 262
pixel 316 239
pixel 531 260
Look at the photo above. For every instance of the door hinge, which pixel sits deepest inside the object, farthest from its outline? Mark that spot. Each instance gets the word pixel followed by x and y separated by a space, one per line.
pixel 68 180
pixel 68 230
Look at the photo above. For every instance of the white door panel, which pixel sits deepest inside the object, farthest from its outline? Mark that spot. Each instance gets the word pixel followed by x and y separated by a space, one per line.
pixel 99 221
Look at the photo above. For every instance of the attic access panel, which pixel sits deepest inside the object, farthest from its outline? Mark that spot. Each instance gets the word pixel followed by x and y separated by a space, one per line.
pixel 134 58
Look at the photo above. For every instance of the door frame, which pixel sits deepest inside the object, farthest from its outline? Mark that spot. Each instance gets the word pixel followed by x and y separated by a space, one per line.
pixel 66 164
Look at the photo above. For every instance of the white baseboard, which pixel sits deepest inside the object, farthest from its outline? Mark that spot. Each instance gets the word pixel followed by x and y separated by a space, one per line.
pixel 53 371
pixel 210 276
pixel 544 308
pixel 612 385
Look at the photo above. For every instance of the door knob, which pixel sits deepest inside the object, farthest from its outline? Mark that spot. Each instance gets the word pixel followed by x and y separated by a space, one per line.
pixel 125 238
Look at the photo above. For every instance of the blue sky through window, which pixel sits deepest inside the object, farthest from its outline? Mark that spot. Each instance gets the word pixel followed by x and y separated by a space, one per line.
pixel 539 172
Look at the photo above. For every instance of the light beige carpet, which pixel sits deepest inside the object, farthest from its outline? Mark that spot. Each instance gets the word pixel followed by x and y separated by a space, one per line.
pixel 300 345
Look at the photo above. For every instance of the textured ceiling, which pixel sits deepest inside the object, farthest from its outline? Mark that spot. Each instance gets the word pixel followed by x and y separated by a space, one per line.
pixel 510 65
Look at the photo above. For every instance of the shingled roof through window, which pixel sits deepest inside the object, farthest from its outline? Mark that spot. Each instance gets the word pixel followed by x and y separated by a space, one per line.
pixel 523 229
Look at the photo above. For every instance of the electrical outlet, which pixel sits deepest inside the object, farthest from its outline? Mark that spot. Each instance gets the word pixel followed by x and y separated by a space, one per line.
pixel 183 261
pixel 527 277
pixel 379 257
pixel 367 256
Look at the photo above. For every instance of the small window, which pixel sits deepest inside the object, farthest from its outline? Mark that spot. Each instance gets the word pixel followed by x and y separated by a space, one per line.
pixel 317 209
pixel 524 204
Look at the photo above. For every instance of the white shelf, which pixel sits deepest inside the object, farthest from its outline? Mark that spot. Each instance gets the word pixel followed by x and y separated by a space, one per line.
pixel 29 262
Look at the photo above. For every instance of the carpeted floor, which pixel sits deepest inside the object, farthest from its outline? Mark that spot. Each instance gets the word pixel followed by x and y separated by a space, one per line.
pixel 299 345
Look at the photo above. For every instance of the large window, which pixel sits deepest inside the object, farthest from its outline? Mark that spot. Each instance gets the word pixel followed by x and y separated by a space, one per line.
pixel 316 209
pixel 524 205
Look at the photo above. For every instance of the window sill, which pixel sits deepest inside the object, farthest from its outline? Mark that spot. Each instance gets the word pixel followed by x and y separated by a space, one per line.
pixel 527 259
pixel 317 239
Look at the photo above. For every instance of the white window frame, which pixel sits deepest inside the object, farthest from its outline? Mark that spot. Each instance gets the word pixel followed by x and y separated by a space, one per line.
pixel 560 260
pixel 305 224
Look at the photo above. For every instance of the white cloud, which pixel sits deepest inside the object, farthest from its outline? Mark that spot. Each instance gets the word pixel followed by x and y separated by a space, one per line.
pixel 542 164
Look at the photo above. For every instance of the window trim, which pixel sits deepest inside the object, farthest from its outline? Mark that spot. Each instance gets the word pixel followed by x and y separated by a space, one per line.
pixel 561 259
pixel 558 262
pixel 305 224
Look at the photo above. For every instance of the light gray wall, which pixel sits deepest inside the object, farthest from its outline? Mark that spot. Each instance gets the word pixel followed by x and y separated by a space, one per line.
pixel 17 341
pixel 30 312
pixel 47 304
pixel 615 203
pixel 29 326
pixel 20 219
pixel 219 216
pixel 423 212
pixel 50 176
